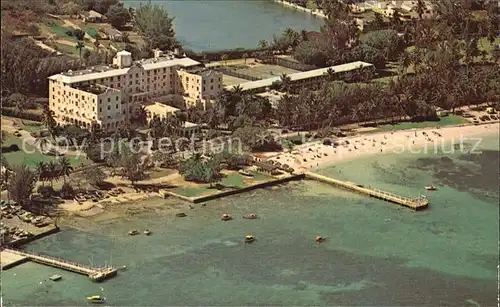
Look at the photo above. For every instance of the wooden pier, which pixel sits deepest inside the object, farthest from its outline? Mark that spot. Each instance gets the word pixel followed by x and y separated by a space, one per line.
pixel 415 204
pixel 94 273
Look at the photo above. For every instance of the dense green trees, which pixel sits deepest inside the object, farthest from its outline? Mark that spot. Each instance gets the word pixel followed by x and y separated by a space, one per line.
pixel 198 169
pixel 155 24
pixel 94 176
pixel 25 67
pixel 21 184
pixel 256 138
pixel 118 15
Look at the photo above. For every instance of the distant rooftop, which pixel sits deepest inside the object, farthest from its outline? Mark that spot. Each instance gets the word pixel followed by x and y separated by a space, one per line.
pixel 105 71
pixel 300 75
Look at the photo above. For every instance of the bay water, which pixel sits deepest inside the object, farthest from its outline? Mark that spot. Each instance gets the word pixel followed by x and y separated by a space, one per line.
pixel 208 25
pixel 376 253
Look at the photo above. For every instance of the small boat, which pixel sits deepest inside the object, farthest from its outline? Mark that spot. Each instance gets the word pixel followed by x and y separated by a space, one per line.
pixel 431 188
pixel 133 233
pixel 96 299
pixel 181 214
pixel 250 216
pixel 147 232
pixel 226 217
pixel 249 238
pixel 320 239
pixel 55 277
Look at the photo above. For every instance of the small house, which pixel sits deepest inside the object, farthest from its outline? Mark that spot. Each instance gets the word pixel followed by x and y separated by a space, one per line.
pixel 114 35
pixel 94 17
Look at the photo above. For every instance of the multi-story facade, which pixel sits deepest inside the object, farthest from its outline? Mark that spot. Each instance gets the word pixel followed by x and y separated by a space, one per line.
pixel 182 81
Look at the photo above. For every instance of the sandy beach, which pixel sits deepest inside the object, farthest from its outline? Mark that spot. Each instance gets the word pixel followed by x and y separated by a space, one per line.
pixel 312 156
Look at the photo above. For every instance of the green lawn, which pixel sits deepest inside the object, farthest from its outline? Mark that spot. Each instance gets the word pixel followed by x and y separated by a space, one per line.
pixel 67 49
pixel 33 157
pixel 31 126
pixel 233 180
pixel 61 31
pixel 444 121
pixel 90 31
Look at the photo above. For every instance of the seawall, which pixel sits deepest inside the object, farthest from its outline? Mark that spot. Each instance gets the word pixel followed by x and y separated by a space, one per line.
pixel 317 13
pixel 196 200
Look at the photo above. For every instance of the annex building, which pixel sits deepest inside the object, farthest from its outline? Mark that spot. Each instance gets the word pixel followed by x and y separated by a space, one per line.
pixel 107 95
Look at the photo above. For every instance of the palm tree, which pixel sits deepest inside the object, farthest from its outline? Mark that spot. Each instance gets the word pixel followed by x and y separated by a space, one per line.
pixel 140 115
pixel 42 143
pixel 330 73
pixel 245 56
pixel 285 82
pixel 52 172
pixel 263 44
pixel 41 170
pixel 420 8
pixel 80 46
pixel 49 122
pixel 65 167
pixel 224 58
pixel 237 89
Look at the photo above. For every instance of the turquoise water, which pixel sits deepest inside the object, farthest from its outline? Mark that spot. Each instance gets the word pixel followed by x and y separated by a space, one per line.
pixel 377 253
pixel 228 24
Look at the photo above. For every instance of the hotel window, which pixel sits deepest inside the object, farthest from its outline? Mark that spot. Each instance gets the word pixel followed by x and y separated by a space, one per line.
pixel 164 70
pixel 116 98
pixel 53 97
pixel 211 80
pixel 109 108
pixel 76 95
pixel 100 109
pixel 116 106
pixel 109 99
pixel 137 75
pixel 211 87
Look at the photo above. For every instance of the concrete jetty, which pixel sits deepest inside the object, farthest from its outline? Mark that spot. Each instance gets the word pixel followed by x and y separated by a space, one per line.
pixel 415 204
pixel 94 273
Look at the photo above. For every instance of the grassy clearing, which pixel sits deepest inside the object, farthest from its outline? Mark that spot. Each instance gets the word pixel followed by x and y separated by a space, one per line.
pixel 60 31
pixel 67 49
pixel 232 180
pixel 451 120
pixel 31 126
pixel 31 157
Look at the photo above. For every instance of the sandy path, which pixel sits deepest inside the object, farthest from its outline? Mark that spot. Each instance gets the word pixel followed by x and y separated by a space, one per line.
pixel 316 155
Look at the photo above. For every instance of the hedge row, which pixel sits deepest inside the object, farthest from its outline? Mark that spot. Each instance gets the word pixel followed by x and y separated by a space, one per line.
pixel 22 114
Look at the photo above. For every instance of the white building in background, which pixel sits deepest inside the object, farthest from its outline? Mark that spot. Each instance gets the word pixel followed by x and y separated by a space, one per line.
pixel 106 95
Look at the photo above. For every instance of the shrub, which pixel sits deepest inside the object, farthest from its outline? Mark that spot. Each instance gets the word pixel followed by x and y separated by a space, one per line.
pixel 11 148
pixel 67 191
pixel 45 191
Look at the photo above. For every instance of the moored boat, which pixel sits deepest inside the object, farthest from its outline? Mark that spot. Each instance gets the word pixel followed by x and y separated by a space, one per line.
pixel 55 277
pixel 249 238
pixel 320 239
pixel 147 232
pixel 133 233
pixel 250 216
pixel 96 299
pixel 431 188
pixel 226 217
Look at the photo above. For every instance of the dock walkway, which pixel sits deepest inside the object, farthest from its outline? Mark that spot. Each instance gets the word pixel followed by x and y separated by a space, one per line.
pixel 94 273
pixel 416 203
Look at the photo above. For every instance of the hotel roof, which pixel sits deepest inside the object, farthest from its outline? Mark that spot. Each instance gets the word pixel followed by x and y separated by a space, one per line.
pixel 160 108
pixel 300 75
pixel 103 71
